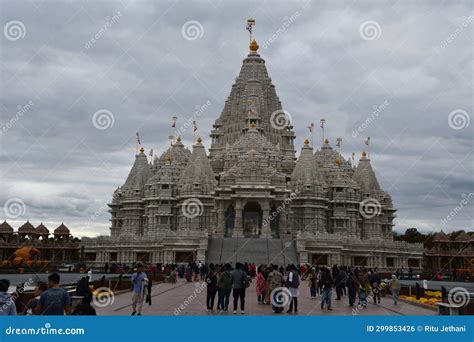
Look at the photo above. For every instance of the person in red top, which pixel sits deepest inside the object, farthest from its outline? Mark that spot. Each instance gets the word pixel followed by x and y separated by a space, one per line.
pixel 260 287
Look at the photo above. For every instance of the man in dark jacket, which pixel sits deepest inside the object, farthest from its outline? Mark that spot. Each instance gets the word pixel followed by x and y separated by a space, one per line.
pixel 375 281
pixel 340 282
pixel 239 284
pixel 328 282
pixel 352 287
pixel 224 283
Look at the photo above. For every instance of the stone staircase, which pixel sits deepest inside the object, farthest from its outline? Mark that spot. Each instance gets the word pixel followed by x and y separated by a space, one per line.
pixel 256 250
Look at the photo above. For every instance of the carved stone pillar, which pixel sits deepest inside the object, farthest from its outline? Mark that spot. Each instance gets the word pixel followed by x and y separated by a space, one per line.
pixel 282 224
pixel 238 227
pixel 221 219
pixel 266 231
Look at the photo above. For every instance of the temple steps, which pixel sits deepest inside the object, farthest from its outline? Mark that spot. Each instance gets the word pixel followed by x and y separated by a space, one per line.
pixel 256 250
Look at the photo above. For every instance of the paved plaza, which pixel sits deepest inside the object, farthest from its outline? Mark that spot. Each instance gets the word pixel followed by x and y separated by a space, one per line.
pixel 186 298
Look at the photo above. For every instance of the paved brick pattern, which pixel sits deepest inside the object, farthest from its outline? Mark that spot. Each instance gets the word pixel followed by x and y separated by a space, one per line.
pixel 186 298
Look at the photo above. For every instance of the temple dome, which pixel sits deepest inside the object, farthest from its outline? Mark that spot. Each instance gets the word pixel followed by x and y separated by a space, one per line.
pixel 61 230
pixel 139 173
pixel 42 230
pixel 365 176
pixel 198 176
pixel 177 154
pixel 5 228
pixel 305 177
pixel 27 228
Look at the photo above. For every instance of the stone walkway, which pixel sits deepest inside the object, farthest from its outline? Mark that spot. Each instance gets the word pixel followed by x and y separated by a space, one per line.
pixel 186 298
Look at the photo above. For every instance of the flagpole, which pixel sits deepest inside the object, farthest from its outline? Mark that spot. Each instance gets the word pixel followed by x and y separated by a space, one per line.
pixel 136 142
pixel 323 121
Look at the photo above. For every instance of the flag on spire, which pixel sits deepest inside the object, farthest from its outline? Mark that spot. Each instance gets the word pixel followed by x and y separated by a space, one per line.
pixel 173 123
pixel 353 156
pixel 138 139
pixel 151 153
pixel 339 140
pixel 323 121
pixel 250 23
pixel 311 127
pixel 195 128
pixel 367 142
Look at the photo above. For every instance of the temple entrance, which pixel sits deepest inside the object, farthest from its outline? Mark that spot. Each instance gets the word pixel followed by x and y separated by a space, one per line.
pixel 275 222
pixel 229 221
pixel 184 256
pixel 252 219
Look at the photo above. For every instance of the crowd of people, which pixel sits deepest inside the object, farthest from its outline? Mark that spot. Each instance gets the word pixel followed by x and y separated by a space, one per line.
pixel 275 285
pixel 358 284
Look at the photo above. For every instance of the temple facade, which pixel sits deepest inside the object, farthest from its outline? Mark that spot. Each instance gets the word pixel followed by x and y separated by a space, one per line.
pixel 251 199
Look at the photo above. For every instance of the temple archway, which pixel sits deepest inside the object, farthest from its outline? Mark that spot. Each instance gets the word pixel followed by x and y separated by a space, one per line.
pixel 252 220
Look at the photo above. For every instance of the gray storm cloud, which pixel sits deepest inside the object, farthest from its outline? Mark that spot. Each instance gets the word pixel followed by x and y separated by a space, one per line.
pixel 337 60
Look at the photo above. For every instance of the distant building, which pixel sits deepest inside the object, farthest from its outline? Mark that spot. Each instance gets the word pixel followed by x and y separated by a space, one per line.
pixel 58 247
pixel 453 252
pixel 251 199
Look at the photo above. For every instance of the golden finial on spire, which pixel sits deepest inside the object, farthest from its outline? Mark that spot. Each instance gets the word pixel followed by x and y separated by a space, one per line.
pixel 253 125
pixel 338 162
pixel 364 154
pixel 178 139
pixel 253 46
pixel 306 142
pixel 142 150
pixel 199 141
pixel 326 141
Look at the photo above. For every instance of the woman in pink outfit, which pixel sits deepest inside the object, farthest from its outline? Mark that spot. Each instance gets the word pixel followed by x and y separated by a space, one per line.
pixel 260 287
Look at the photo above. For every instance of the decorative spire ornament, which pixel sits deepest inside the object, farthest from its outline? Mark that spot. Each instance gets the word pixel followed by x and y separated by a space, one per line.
pixel 250 24
pixel 322 123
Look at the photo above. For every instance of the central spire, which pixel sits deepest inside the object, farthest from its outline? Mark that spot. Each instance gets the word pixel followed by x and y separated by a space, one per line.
pixel 252 99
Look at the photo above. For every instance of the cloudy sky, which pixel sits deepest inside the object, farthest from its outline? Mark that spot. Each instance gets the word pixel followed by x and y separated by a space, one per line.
pixel 79 78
